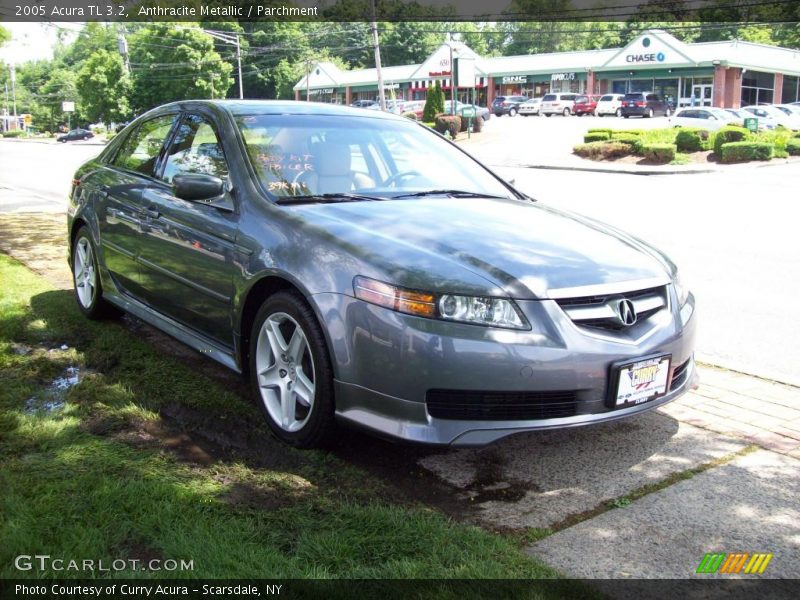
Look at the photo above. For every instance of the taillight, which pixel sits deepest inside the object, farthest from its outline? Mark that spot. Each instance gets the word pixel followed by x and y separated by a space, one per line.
pixel 641 104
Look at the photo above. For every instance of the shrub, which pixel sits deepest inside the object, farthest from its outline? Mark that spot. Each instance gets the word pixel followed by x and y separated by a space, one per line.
pixel 659 153
pixel 410 115
pixel 448 124
pixel 477 125
pixel 434 103
pixel 13 134
pixel 605 130
pixel 602 150
pixel 596 136
pixel 793 146
pixel 729 134
pixel 631 131
pixel 689 140
pixel 743 151
pixel 633 141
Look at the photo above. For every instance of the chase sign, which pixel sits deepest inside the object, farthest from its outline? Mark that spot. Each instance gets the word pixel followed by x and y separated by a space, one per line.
pixel 645 58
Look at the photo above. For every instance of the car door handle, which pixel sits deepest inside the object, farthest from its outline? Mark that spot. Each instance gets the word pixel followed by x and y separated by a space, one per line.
pixel 152 213
pixel 103 192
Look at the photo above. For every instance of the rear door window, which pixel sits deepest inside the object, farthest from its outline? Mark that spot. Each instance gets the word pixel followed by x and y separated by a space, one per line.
pixel 549 97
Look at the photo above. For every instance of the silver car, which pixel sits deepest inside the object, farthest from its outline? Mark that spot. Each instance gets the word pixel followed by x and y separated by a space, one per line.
pixel 361 269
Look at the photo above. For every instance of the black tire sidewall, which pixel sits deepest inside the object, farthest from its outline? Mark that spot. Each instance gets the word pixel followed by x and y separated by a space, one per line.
pixel 320 428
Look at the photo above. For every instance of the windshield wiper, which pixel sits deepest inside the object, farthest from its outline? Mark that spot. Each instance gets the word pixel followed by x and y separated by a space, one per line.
pixel 329 197
pixel 453 193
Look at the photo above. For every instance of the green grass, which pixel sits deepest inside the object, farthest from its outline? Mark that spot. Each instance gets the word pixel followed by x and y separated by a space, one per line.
pixel 75 482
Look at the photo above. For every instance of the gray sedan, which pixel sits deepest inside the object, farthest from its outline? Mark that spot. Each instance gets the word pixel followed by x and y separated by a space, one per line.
pixel 360 269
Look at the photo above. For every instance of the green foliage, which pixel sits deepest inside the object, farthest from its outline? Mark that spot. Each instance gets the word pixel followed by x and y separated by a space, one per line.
pixel 5 35
pixel 14 134
pixel 793 147
pixel 681 159
pixel 434 103
pixel 596 136
pixel 607 150
pixel 659 153
pixel 605 130
pixel 728 134
pixel 733 152
pixel 689 140
pixel 477 125
pixel 633 141
pixel 104 87
pixel 186 68
pixel 410 115
pixel 445 123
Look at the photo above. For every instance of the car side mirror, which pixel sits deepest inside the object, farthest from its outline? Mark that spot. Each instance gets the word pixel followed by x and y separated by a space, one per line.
pixel 197 187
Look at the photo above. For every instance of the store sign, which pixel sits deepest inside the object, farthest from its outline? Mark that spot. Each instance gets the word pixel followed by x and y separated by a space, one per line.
pixel 645 58
pixel 562 77
pixel 321 91
pixel 67 106
pixel 438 73
pixel 516 79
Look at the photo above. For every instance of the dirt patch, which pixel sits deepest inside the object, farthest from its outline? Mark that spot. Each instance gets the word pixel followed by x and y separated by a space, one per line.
pixel 40 242
pixel 260 497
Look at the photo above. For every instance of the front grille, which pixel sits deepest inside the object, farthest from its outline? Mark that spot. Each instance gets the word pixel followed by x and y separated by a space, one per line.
pixel 679 375
pixel 598 311
pixel 500 406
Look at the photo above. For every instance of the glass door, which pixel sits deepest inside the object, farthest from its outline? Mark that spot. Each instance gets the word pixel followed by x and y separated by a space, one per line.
pixel 701 95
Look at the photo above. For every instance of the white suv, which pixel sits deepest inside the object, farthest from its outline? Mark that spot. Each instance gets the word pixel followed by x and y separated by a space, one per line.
pixel 558 104
pixel 609 104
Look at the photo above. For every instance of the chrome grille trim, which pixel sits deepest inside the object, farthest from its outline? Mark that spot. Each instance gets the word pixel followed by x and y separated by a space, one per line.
pixel 599 311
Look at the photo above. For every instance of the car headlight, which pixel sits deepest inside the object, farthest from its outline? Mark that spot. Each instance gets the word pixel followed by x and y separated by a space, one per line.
pixel 681 289
pixel 476 310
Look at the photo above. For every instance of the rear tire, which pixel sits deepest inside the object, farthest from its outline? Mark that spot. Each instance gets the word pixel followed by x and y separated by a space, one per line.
pixel 566 112
pixel 618 112
pixel 512 112
pixel 548 114
pixel 290 372
pixel 650 114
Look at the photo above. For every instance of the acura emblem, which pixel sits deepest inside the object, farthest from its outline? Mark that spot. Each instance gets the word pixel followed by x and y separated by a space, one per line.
pixel 626 312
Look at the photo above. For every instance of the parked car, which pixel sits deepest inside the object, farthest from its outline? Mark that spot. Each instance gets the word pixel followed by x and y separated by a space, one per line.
pixel 480 111
pixel 789 109
pixel 507 105
pixel 365 103
pixel 530 107
pixel 585 105
pixel 293 242
pixel 609 104
pixel 644 104
pixel 773 117
pixel 706 118
pixel 415 106
pixel 557 104
pixel 75 134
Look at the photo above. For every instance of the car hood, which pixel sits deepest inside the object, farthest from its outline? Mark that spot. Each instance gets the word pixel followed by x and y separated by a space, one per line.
pixel 527 250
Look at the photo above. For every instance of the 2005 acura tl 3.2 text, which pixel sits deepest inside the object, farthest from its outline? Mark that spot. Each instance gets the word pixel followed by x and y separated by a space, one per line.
pixel 361 269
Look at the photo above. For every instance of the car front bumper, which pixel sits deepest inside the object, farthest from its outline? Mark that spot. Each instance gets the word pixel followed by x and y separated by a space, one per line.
pixel 386 363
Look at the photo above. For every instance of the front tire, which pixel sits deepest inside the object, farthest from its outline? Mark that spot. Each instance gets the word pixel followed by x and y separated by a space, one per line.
pixel 650 114
pixel 618 112
pixel 566 112
pixel 290 372
pixel 86 278
pixel 512 112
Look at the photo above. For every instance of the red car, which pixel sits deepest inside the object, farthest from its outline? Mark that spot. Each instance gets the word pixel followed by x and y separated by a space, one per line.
pixel 585 105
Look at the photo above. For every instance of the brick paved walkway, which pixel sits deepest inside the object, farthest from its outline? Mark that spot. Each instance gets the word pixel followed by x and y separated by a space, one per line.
pixel 763 412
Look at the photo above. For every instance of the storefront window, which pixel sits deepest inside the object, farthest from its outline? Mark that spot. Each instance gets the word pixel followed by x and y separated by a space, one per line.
pixel 619 86
pixel 757 87
pixel 791 89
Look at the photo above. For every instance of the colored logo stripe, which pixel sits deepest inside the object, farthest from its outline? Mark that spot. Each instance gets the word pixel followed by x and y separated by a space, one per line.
pixel 714 562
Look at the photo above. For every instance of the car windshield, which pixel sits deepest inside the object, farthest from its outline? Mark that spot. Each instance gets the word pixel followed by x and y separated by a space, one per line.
pixel 310 155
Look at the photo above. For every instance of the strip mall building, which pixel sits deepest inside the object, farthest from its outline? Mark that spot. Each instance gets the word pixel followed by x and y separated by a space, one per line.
pixel 727 74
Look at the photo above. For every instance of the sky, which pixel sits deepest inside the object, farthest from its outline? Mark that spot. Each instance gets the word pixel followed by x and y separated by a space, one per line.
pixel 32 41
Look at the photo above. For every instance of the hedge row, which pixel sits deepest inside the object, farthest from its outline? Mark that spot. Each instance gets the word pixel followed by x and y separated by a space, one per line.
pixel 793 146
pixel 444 123
pixel 607 150
pixel 660 153
pixel 729 134
pixel 743 151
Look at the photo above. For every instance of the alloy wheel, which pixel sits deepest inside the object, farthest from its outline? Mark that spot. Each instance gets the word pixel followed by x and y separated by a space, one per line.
pixel 285 372
pixel 84 273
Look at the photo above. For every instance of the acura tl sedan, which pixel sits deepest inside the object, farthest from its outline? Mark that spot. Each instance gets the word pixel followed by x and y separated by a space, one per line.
pixel 360 269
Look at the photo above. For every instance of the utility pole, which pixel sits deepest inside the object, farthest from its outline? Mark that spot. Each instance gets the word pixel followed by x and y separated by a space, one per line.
pixel 376 43
pixel 14 90
pixel 308 77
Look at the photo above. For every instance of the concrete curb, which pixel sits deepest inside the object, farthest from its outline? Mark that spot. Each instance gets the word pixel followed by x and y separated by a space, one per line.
pixel 50 141
pixel 656 171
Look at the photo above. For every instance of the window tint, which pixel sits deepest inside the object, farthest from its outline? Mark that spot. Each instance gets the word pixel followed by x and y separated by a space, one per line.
pixel 195 149
pixel 549 97
pixel 606 98
pixel 634 96
pixel 140 151
pixel 568 96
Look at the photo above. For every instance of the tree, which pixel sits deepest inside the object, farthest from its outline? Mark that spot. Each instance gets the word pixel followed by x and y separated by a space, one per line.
pixel 104 88
pixel 434 103
pixel 171 62
pixel 5 35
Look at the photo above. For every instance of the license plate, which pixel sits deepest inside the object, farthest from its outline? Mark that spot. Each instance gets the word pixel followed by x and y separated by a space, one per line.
pixel 642 380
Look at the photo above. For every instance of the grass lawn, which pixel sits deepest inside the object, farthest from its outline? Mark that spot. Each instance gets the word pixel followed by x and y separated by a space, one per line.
pixel 104 476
